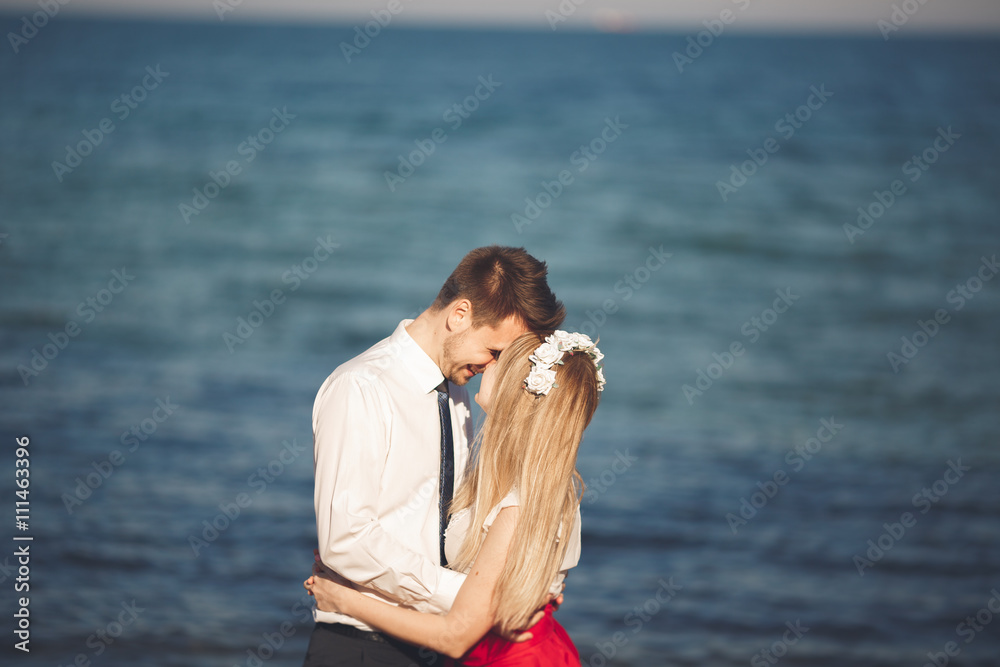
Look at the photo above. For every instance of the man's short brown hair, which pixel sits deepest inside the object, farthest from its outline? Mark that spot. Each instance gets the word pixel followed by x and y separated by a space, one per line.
pixel 501 281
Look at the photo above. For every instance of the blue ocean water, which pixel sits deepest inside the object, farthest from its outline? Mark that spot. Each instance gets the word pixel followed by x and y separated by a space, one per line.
pixel 764 418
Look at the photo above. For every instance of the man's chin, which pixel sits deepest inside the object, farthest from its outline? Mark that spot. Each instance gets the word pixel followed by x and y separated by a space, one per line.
pixel 461 376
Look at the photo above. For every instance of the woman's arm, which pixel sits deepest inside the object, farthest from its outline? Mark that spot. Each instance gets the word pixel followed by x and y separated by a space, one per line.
pixel 452 634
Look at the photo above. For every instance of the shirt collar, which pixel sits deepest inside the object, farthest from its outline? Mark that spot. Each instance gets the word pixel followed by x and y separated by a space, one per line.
pixel 426 373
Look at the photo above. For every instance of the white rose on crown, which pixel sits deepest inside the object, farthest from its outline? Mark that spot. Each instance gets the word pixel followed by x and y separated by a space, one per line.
pixel 561 339
pixel 546 354
pixel 540 380
pixel 542 377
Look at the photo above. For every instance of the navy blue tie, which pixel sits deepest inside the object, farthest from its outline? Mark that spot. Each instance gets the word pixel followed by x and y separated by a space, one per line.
pixel 447 481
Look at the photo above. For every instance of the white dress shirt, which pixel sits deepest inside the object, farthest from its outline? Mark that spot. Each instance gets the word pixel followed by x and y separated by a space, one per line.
pixel 377 457
pixel 459 526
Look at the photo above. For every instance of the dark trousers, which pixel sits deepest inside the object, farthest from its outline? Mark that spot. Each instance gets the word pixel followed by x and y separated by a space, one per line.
pixel 331 645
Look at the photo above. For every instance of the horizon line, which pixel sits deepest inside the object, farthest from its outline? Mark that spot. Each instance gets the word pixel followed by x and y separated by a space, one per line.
pixel 844 29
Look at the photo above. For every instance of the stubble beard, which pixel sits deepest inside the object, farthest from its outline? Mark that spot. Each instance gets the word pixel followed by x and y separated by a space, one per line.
pixel 453 371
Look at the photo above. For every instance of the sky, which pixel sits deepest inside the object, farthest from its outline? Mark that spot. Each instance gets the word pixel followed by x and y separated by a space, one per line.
pixel 748 15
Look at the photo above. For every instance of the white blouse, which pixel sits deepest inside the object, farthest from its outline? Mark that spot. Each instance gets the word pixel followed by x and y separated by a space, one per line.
pixel 458 527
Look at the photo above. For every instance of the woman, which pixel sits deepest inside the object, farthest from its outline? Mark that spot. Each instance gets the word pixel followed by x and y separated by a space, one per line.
pixel 523 494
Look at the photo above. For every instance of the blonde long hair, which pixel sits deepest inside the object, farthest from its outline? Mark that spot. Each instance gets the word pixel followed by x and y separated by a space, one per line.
pixel 529 443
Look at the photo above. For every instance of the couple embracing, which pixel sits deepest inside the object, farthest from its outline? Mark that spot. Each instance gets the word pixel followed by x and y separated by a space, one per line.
pixel 432 552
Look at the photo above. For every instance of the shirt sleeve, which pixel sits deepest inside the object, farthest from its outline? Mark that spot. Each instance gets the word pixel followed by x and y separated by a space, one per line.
pixel 572 557
pixel 512 499
pixel 350 445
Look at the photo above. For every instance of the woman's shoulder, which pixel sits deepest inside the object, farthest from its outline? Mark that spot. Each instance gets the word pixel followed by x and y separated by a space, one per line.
pixel 512 499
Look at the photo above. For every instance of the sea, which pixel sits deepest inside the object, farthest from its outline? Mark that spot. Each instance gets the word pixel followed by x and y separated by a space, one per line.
pixel 786 244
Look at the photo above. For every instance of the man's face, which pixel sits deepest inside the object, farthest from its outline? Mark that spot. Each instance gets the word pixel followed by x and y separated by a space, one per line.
pixel 469 352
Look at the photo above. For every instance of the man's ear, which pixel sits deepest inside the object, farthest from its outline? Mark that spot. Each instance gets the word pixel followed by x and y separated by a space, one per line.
pixel 459 316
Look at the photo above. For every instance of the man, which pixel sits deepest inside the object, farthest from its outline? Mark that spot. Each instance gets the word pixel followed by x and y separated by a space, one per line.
pixel 381 427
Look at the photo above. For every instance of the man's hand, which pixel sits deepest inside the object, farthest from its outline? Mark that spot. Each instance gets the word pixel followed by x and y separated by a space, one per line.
pixel 524 635
pixel 332 592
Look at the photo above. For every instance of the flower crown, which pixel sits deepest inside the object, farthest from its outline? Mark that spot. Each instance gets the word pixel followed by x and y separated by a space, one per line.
pixel 543 377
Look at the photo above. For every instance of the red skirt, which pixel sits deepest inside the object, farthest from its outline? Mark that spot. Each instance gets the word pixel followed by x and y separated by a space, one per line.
pixel 549 646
